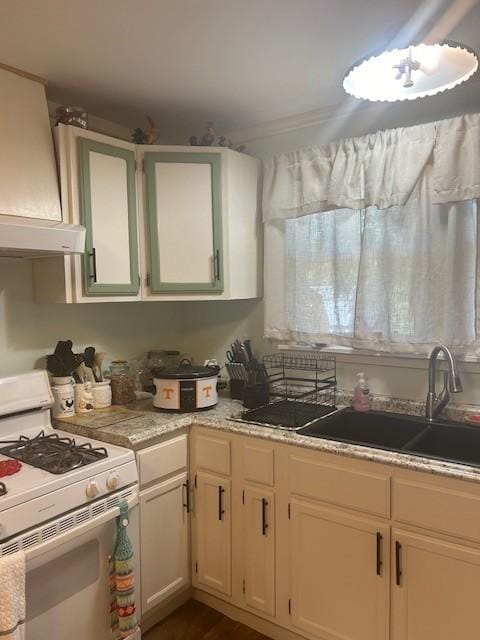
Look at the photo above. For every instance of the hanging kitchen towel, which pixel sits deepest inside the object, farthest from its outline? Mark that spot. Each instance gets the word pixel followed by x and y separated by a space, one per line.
pixel 12 596
pixel 123 616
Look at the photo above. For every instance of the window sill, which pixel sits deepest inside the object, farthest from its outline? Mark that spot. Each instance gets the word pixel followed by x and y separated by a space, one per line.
pixel 348 355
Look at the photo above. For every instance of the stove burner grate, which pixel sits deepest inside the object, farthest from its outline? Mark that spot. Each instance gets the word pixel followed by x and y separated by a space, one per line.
pixel 52 452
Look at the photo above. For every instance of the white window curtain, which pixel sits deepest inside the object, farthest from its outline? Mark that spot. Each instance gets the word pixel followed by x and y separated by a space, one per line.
pixel 395 273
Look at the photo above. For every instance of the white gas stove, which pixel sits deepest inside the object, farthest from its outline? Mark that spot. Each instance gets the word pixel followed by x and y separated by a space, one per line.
pixel 59 507
pixel 59 472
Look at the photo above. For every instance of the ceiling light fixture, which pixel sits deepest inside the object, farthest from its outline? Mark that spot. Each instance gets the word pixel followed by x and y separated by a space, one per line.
pixel 414 72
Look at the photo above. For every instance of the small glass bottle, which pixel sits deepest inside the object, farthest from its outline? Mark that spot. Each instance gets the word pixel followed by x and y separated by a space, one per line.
pixel 122 382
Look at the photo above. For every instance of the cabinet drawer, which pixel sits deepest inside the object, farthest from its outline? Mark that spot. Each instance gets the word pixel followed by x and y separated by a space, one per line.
pixel 162 459
pixel 449 511
pixel 258 464
pixel 212 454
pixel 337 485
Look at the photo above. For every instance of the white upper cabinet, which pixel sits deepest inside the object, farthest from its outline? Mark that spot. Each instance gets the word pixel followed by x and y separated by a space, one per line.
pixel 184 219
pixel 98 187
pixel 28 175
pixel 202 232
pixel 196 209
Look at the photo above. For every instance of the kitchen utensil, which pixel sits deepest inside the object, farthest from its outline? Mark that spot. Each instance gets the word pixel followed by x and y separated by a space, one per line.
pixel 186 387
pixel 81 373
pixel 99 358
pixel 230 355
pixel 63 361
pixel 248 348
pixel 89 361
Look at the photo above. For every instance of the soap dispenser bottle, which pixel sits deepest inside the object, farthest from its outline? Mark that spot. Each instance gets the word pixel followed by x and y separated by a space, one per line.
pixel 361 394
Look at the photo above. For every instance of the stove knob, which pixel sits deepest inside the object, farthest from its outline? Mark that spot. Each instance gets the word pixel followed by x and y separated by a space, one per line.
pixel 112 481
pixel 92 489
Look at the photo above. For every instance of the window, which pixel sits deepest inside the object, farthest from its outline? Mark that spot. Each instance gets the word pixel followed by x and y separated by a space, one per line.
pixel 372 242
pixel 397 280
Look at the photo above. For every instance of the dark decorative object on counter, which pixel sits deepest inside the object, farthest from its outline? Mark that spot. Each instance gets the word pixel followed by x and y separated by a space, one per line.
pixel 63 362
pixel 208 140
pixel 149 135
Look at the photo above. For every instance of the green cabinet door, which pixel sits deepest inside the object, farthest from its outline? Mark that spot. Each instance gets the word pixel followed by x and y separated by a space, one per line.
pixel 109 212
pixel 184 201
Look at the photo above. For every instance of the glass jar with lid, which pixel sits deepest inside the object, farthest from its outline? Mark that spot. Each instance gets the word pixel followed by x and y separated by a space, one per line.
pixel 122 382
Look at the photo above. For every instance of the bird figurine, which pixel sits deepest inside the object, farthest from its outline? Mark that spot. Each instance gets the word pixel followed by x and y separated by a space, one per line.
pixel 150 135
pixel 209 136
pixel 152 131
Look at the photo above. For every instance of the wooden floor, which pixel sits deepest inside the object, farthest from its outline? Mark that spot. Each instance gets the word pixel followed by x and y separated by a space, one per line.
pixel 196 621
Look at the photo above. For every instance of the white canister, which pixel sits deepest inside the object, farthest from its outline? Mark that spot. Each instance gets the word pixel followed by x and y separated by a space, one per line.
pixel 83 398
pixel 64 397
pixel 102 395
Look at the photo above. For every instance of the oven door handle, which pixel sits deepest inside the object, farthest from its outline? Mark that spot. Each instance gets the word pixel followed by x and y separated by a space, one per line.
pixel 44 547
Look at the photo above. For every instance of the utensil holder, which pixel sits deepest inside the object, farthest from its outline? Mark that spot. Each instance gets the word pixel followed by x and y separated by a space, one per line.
pixel 255 395
pixel 236 389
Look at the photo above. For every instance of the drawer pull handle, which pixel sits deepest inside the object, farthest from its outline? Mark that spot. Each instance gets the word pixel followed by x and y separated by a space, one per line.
pixel 398 563
pixel 186 504
pixel 264 516
pixel 221 511
pixel 379 553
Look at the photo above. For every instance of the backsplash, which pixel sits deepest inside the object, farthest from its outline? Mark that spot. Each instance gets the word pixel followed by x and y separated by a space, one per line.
pixel 454 411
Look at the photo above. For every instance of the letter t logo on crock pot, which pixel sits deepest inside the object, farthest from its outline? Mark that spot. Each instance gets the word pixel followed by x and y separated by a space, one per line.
pixel 168 392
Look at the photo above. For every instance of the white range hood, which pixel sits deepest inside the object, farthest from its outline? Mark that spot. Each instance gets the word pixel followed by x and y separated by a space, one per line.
pixel 30 211
pixel 27 237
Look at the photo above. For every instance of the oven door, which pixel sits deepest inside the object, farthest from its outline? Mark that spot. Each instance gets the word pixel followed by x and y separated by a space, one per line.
pixel 67 582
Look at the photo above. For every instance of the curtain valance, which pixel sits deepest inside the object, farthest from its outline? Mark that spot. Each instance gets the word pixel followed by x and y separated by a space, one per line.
pixel 381 169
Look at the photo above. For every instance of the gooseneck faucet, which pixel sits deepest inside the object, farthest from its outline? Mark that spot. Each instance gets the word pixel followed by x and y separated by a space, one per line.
pixel 451 382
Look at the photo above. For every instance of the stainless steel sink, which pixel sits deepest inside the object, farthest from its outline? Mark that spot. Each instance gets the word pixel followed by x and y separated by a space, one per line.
pixel 415 435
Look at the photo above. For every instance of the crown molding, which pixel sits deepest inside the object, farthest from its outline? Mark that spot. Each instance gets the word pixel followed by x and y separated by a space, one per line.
pixel 341 111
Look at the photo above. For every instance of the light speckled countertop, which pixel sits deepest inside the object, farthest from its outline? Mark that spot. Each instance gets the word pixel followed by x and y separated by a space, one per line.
pixel 141 425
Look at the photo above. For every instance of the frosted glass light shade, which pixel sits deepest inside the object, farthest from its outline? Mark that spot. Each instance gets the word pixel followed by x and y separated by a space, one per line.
pixel 407 74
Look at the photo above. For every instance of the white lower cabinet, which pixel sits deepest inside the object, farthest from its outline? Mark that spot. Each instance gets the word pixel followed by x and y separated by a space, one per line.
pixel 164 540
pixel 339 577
pixel 213 546
pixel 259 549
pixel 330 548
pixel 435 589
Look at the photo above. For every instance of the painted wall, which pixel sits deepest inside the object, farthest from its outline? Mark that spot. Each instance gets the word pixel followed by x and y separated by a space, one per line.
pixel 29 331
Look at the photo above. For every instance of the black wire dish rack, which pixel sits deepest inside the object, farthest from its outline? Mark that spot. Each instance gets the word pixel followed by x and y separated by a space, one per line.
pixel 302 388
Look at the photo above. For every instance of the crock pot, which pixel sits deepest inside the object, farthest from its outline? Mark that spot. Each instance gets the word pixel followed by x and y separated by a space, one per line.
pixel 185 387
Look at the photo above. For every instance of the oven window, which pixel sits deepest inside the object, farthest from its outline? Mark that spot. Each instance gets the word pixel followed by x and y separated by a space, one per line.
pixel 61 578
